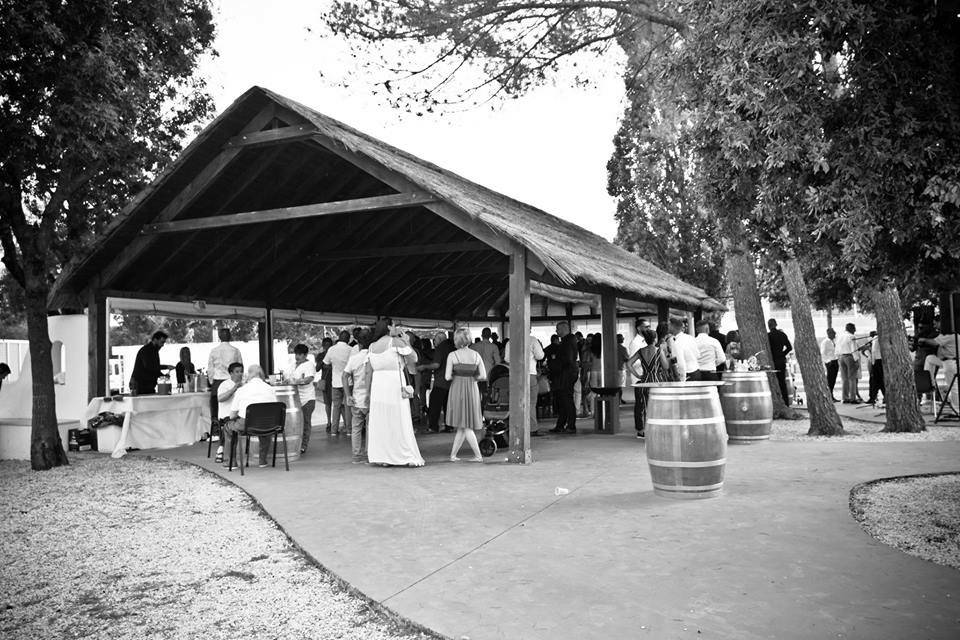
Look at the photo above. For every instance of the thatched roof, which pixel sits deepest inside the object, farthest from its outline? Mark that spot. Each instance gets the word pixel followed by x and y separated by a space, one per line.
pixel 301 170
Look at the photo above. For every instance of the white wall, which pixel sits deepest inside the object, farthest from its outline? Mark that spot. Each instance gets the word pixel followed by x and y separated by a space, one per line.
pixel 16 396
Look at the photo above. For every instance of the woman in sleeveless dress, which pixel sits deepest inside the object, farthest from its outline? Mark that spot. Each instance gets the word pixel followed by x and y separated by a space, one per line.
pixel 654 367
pixel 390 437
pixel 464 369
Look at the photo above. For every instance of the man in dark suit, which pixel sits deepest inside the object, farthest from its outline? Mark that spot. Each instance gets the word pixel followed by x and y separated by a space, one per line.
pixel 779 348
pixel 147 367
pixel 568 372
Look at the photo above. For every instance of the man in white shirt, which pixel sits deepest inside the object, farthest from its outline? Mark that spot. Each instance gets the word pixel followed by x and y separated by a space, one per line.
pixel 356 384
pixel 253 391
pixel 710 354
pixel 221 357
pixel 846 351
pixel 828 355
pixel 946 357
pixel 337 357
pixel 225 392
pixel 302 378
pixel 685 350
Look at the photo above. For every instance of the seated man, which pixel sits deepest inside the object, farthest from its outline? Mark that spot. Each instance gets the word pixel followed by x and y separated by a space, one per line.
pixel 225 392
pixel 946 357
pixel 253 391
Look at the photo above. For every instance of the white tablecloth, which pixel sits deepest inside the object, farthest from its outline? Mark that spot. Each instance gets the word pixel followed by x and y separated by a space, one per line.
pixel 155 421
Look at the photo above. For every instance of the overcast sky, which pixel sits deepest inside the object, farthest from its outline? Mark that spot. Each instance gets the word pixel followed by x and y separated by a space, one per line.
pixel 548 149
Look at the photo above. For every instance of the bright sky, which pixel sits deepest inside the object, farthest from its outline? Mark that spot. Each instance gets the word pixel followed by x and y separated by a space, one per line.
pixel 548 149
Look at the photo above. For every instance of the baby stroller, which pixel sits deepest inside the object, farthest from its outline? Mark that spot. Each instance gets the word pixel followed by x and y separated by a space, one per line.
pixel 496 411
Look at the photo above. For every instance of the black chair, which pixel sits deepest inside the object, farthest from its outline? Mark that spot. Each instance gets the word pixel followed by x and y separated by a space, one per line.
pixel 262 419
pixel 925 385
pixel 216 429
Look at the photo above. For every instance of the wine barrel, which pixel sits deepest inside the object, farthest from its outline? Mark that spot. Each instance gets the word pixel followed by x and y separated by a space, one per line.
pixel 747 406
pixel 293 425
pixel 686 440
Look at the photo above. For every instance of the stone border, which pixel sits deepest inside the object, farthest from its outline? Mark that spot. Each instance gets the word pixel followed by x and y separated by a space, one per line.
pixel 858 512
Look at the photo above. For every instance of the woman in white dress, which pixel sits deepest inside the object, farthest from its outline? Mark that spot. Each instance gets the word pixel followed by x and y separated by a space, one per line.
pixel 390 438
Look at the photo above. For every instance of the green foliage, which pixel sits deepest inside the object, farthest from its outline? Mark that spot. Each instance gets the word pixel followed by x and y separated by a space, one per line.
pixel 136 328
pixel 478 49
pixel 892 195
pixel 96 98
pixel 661 215
pixel 13 308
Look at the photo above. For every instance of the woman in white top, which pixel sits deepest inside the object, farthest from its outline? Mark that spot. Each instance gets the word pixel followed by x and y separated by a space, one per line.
pixel 464 369
pixel 390 437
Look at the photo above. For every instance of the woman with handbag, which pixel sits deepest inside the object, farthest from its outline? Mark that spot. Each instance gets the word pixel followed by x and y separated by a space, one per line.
pixel 390 437
pixel 654 367
pixel 464 369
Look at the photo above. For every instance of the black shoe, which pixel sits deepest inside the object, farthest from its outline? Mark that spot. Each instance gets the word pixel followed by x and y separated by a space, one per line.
pixel 448 430
pixel 536 433
pixel 328 429
pixel 641 435
pixel 570 430
pixel 834 399
pixel 556 430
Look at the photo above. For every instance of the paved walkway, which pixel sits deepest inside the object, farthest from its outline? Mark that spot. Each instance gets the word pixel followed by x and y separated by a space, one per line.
pixel 489 551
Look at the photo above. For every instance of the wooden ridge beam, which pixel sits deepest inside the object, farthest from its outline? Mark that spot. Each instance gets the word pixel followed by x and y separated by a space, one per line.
pixel 284 214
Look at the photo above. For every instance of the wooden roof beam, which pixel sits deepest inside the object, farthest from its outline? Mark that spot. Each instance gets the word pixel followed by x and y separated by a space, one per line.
pixel 452 214
pixel 183 199
pixel 271 136
pixel 407 250
pixel 285 214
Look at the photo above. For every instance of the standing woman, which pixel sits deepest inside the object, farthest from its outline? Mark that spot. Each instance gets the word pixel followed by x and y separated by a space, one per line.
pixel 390 437
pixel 184 367
pixel 654 367
pixel 594 370
pixel 464 369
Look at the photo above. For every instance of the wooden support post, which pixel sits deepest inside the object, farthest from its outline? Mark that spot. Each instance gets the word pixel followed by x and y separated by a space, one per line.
pixel 663 312
pixel 691 324
pixel 265 337
pixel 98 372
pixel 609 371
pixel 519 346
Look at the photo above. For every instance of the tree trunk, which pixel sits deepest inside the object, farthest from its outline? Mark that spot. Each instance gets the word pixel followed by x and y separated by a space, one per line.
pixel 900 390
pixel 46 448
pixel 824 420
pixel 750 323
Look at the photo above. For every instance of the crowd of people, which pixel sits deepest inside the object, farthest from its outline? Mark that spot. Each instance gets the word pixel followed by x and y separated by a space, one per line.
pixel 376 383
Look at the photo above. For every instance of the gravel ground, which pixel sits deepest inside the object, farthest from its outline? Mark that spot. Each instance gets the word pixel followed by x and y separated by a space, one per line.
pixel 856 431
pixel 919 515
pixel 124 548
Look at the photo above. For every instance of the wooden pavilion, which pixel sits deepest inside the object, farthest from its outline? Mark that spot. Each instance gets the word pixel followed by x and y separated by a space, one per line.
pixel 275 206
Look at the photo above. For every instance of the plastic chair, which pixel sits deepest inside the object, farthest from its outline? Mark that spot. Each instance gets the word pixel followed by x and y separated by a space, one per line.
pixel 261 419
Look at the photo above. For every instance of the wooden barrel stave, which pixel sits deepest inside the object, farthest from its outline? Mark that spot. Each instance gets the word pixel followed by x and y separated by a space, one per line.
pixel 686 442
pixel 747 406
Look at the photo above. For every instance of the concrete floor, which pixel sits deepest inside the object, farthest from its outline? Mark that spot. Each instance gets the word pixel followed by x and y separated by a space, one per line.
pixel 489 551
